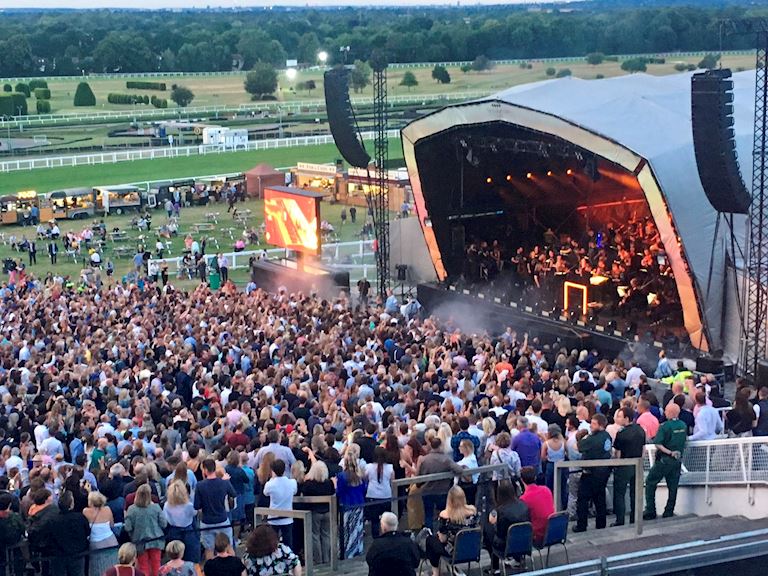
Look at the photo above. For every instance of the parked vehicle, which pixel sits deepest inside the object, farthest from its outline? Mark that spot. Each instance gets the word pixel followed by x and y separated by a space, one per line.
pixel 72 203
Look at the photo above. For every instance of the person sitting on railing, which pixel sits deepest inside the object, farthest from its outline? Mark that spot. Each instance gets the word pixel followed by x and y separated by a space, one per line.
pixel 457 516
pixel 393 553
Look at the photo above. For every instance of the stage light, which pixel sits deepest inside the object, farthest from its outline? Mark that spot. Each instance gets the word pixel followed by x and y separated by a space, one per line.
pixel 509 177
pixel 529 176
pixel 322 56
pixel 489 180
pixel 569 172
pixel 549 172
pixel 291 74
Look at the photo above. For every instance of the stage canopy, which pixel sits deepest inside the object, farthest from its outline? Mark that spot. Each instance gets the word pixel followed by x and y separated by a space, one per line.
pixel 639 122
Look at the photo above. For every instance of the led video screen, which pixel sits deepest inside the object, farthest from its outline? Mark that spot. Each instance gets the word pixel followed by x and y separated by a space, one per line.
pixel 292 218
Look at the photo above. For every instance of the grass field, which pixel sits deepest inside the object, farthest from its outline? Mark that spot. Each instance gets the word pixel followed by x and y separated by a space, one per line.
pixel 189 216
pixel 228 90
pixel 47 179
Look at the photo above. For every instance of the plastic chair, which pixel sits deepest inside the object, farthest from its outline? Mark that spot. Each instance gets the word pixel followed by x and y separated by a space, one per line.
pixel 519 543
pixel 555 533
pixel 466 548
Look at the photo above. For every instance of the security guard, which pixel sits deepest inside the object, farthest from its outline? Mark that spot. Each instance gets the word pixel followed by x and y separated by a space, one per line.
pixel 670 444
pixel 595 446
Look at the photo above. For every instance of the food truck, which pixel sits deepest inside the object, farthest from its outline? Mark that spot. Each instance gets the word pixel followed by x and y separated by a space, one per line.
pixel 163 191
pixel 117 199
pixel 72 203
pixel 14 207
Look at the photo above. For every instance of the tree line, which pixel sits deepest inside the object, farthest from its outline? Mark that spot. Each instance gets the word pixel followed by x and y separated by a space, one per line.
pixel 73 43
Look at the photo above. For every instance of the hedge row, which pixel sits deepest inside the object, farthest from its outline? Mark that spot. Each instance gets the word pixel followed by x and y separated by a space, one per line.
pixel 35 84
pixel 43 106
pixel 13 104
pixel 23 88
pixel 134 85
pixel 42 93
pixel 127 99
pixel 159 102
pixel 7 88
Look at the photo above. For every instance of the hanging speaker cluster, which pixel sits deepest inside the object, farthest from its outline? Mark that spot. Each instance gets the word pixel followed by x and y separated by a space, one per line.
pixel 341 118
pixel 714 141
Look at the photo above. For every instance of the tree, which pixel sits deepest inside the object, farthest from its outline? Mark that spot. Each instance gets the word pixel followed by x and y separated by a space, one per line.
pixel 360 77
pixel 709 62
pixel 17 59
pixel 595 58
pixel 633 65
pixel 7 88
pixel 466 68
pixel 84 95
pixel 409 80
pixel 551 71
pixel 256 46
pixel 124 52
pixel 261 80
pixel 565 72
pixel 310 85
pixel 681 66
pixel 440 73
pixel 308 48
pixel 182 95
pixel 481 63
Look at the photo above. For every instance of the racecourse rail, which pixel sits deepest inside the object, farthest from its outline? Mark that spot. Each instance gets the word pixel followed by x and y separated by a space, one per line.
pixel 272 107
pixel 170 152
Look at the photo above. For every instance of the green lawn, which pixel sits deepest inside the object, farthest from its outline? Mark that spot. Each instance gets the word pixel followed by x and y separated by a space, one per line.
pixel 189 216
pixel 228 90
pixel 47 179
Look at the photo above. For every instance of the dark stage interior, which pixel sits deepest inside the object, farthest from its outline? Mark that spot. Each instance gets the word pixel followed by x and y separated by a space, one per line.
pixel 519 213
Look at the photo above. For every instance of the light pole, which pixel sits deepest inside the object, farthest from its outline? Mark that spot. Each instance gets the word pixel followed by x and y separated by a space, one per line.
pixel 344 50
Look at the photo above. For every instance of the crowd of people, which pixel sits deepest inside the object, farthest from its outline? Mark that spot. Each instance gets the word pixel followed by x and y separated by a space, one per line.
pixel 140 425
pixel 623 264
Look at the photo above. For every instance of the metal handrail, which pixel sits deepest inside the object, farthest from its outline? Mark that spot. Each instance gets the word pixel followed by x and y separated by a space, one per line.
pixel 607 463
pixel 306 517
pixel 333 511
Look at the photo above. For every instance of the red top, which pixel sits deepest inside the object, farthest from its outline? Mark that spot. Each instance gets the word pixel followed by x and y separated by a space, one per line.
pixel 541 505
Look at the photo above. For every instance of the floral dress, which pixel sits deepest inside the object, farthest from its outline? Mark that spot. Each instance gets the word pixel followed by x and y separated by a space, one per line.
pixel 281 561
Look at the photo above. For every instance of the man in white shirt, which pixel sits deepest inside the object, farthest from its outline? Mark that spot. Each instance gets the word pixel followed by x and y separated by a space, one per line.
pixel 708 424
pixel 633 375
pixel 281 491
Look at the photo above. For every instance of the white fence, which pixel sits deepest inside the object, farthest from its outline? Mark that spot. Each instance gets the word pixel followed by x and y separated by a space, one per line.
pixel 168 152
pixel 357 258
pixel 273 108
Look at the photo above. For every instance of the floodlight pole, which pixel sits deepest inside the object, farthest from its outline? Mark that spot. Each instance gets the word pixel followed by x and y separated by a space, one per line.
pixel 380 201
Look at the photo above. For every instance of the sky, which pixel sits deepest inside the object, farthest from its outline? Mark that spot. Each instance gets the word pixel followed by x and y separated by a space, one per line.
pixel 155 4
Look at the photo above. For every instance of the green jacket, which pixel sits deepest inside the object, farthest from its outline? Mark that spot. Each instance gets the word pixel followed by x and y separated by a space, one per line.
pixel 146 526
pixel 596 446
pixel 673 435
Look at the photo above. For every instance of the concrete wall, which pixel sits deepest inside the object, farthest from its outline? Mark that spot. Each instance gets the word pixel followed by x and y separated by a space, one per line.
pixel 726 500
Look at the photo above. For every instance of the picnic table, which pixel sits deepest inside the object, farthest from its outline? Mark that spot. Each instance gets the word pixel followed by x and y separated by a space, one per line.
pixel 212 217
pixel 118 235
pixel 242 219
pixel 229 232
pixel 123 251
pixel 203 227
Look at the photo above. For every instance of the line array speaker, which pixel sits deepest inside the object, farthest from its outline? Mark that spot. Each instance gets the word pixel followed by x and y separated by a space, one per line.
pixel 714 141
pixel 341 118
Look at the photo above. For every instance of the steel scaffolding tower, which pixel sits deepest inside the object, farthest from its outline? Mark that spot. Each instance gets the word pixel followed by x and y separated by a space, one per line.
pixel 380 192
pixel 753 348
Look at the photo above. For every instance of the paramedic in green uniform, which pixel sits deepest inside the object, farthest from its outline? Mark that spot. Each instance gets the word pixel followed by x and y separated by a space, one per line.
pixel 670 443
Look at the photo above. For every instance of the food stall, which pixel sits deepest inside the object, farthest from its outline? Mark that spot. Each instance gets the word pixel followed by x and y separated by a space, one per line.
pixel 324 178
pixel 163 191
pixel 116 199
pixel 8 209
pixel 30 198
pixel 72 203
pixel 356 188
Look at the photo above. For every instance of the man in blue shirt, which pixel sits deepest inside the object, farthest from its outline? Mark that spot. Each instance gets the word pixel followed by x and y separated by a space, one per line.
pixel 463 434
pixel 211 498
pixel 527 445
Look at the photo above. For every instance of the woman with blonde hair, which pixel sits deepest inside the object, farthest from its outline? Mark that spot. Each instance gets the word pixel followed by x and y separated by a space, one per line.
pixel 145 523
pixel 457 516
pixel 263 474
pixel 446 435
pixel 176 565
pixel 317 483
pixel 126 560
pixel 182 520
pixel 351 489
pixel 103 542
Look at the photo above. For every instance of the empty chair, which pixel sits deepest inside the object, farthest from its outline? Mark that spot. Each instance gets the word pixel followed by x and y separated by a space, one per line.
pixel 466 548
pixel 555 533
